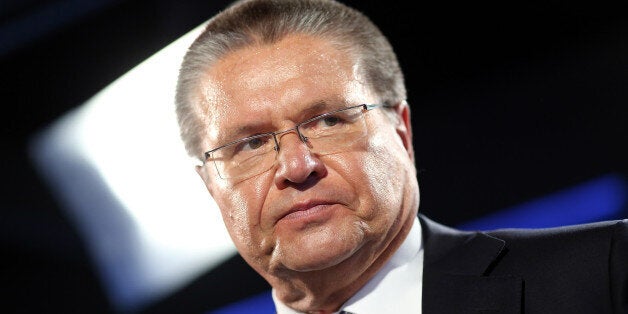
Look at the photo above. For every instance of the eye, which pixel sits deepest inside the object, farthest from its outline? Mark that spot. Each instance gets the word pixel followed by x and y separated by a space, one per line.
pixel 330 121
pixel 254 143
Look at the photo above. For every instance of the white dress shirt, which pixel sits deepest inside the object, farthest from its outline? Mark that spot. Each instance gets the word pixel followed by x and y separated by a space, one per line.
pixel 396 288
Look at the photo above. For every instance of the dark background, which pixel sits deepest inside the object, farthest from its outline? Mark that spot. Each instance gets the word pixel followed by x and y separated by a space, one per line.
pixel 511 101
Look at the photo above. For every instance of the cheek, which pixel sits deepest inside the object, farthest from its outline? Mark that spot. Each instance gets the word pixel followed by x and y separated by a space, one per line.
pixel 374 176
pixel 385 175
pixel 241 206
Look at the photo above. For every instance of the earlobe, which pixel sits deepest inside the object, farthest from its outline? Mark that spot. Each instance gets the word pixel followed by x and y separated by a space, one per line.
pixel 404 127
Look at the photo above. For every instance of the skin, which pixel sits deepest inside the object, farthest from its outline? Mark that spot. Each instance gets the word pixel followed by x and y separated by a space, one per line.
pixel 316 227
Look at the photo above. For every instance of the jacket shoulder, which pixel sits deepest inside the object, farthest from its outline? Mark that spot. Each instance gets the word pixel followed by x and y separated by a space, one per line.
pixel 590 259
pixel 616 228
pixel 591 241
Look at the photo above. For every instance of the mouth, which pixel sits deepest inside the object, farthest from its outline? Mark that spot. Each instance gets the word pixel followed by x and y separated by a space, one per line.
pixel 307 210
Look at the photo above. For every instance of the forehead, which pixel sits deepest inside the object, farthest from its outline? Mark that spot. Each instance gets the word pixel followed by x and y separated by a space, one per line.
pixel 269 83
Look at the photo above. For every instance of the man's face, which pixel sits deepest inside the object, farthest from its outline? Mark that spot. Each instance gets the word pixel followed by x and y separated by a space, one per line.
pixel 308 212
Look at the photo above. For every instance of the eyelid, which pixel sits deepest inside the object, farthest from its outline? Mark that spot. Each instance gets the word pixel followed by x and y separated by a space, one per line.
pixel 329 113
pixel 240 140
pixel 254 136
pixel 247 140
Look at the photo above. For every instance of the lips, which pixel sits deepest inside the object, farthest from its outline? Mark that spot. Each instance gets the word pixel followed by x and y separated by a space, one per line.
pixel 306 208
pixel 312 205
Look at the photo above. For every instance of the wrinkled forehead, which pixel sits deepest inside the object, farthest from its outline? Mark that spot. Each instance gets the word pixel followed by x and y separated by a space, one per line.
pixel 264 84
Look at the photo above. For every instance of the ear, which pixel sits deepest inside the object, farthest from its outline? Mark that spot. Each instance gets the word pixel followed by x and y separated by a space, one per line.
pixel 203 173
pixel 404 127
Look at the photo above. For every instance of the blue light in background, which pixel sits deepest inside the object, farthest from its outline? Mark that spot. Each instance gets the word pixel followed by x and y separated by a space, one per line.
pixel 599 199
pixel 259 304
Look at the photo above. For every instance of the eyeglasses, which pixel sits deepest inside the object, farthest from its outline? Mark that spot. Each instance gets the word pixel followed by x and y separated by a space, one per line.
pixel 328 133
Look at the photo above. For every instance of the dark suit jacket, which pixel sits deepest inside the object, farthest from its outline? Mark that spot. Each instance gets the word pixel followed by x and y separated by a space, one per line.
pixel 576 269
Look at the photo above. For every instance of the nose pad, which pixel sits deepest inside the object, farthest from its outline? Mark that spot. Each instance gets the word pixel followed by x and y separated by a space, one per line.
pixel 296 163
pixel 294 131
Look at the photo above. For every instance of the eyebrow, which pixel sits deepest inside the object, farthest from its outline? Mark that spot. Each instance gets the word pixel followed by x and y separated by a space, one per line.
pixel 250 129
pixel 243 131
pixel 315 108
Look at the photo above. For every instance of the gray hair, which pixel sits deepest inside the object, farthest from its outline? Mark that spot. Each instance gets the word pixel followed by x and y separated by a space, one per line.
pixel 249 22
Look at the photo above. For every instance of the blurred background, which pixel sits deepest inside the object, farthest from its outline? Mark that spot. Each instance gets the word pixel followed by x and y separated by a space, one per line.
pixel 519 112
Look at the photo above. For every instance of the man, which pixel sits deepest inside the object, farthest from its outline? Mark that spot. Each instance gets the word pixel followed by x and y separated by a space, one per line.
pixel 297 111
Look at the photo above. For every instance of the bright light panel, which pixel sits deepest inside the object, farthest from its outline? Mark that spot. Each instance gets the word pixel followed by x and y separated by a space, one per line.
pixel 121 171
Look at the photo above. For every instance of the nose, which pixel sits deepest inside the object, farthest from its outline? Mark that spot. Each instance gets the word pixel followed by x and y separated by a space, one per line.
pixel 297 165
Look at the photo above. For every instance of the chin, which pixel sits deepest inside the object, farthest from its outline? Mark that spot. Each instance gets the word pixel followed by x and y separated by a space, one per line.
pixel 315 263
pixel 319 251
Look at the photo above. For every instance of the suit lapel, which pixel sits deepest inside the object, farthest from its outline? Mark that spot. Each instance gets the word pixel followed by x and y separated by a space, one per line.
pixel 456 273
